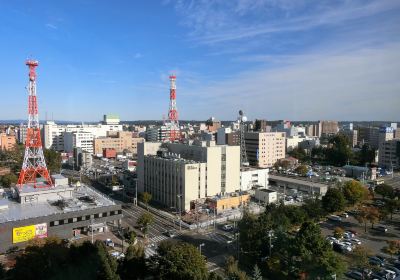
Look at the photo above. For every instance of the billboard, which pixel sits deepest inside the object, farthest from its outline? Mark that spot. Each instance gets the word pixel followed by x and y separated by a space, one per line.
pixel 22 234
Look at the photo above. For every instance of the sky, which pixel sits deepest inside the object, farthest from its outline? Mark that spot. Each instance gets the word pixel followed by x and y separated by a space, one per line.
pixel 274 59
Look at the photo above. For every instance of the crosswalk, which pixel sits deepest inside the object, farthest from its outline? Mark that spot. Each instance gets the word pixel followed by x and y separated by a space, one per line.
pixel 218 237
pixel 151 249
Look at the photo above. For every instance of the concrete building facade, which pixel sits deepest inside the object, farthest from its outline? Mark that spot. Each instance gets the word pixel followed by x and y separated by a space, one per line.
pixel 251 177
pixel 265 148
pixel 7 142
pixel 389 154
pixel 120 141
pixel 83 140
pixel 202 169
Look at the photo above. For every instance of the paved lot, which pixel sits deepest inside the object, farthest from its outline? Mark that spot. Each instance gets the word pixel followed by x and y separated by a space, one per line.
pixel 372 239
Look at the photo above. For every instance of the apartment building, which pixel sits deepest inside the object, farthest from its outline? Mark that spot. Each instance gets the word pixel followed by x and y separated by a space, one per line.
pixel 329 127
pixel 83 140
pixel 352 136
pixel 265 148
pixel 53 137
pixel 368 135
pixel 389 154
pixel 7 142
pixel 120 141
pixel 178 174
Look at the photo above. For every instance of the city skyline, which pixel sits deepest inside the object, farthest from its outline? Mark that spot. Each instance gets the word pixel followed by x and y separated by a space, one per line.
pixel 274 60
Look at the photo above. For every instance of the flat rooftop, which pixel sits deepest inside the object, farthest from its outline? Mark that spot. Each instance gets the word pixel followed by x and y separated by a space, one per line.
pixel 83 197
pixel 266 190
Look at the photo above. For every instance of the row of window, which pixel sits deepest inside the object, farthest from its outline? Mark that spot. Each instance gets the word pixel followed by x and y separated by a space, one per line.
pixel 84 218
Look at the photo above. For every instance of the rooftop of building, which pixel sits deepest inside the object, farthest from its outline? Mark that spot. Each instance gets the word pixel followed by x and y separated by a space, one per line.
pixel 83 198
pixel 266 190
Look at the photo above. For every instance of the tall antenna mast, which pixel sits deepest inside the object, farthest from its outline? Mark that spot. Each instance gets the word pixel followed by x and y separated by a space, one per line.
pixel 34 165
pixel 173 111
pixel 243 154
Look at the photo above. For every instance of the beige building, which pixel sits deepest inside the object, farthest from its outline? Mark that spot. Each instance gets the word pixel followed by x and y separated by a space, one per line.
pixel 329 127
pixel 120 141
pixel 187 171
pixel 7 142
pixel 228 202
pixel 265 148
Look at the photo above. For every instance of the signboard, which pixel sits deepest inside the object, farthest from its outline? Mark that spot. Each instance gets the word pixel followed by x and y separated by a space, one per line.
pixel 22 234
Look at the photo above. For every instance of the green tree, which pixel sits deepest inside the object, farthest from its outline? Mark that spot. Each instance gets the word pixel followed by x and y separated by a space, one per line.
pixel 373 215
pixel 359 257
pixel 134 264
pixel 146 197
pixel 302 170
pixel 215 276
pixel 391 205
pixel 339 151
pixel 313 254
pixel 256 273
pixel 333 200
pixel 53 160
pixel 362 217
pixel 299 153
pixel 131 237
pixel 232 270
pixel 3 272
pixel 354 192
pixel 144 221
pixel 338 232
pixel 313 208
pixel 366 155
pixel 8 180
pixel 393 247
pixel 178 260
pixel 384 190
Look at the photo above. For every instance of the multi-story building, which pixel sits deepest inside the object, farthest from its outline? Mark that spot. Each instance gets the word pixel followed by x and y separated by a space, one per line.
pixel 81 139
pixel 178 174
pixel 265 148
pixel 384 148
pixel 351 135
pixel 53 137
pixel 314 130
pixel 7 142
pixel 329 127
pixel 389 154
pixel 252 177
pixel 212 124
pixel 368 135
pixel 261 126
pixel 120 141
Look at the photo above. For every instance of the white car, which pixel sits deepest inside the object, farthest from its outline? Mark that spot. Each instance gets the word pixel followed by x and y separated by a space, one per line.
pixel 227 227
pixel 355 241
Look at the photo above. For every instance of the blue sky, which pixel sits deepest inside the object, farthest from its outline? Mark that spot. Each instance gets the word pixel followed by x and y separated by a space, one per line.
pixel 275 59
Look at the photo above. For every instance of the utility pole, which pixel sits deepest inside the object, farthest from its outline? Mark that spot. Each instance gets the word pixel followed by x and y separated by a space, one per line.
pixel 201 245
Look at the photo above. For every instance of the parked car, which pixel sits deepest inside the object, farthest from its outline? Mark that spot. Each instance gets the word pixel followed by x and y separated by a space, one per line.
pixel 227 227
pixel 109 242
pixel 354 274
pixel 375 261
pixel 344 215
pixel 355 241
pixel 335 218
pixel 381 228
pixel 171 233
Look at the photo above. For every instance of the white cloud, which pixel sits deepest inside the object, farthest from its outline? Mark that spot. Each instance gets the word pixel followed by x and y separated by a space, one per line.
pixel 137 55
pixel 51 26
pixel 362 85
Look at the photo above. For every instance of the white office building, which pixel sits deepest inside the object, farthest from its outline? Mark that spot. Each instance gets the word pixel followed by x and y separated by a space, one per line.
pixel 53 133
pixel 178 174
pixel 83 140
pixel 251 177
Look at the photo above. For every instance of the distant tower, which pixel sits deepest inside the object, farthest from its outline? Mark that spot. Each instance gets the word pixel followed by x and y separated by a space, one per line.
pixel 172 123
pixel 34 165
pixel 243 154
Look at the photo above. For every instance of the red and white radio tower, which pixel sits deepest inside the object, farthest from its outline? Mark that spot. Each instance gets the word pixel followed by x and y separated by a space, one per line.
pixel 34 164
pixel 173 111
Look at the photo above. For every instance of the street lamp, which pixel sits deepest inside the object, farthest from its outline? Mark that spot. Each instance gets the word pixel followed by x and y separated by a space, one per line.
pixel 201 245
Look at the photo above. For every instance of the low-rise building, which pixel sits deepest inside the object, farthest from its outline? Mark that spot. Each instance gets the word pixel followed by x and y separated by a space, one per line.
pixel 266 196
pixel 228 202
pixel 250 177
